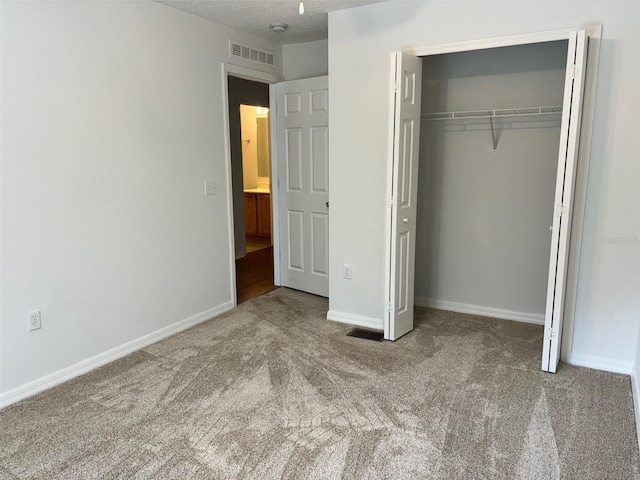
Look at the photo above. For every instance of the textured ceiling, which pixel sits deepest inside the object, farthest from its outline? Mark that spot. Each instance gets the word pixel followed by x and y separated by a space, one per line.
pixel 255 16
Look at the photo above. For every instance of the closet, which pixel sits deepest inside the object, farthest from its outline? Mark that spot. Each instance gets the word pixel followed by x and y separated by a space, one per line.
pixel 489 138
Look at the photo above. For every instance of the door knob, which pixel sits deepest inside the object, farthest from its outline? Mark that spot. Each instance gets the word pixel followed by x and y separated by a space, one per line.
pixel 327 204
pixel 405 220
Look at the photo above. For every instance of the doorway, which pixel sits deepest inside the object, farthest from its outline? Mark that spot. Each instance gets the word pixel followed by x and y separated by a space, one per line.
pixel 250 157
pixel 256 175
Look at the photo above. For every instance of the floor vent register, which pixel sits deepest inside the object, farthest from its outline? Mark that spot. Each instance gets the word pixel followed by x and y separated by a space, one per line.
pixel 366 334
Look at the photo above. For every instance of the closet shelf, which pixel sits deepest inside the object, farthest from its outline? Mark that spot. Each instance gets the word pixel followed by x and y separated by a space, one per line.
pixel 491 114
pixel 498 113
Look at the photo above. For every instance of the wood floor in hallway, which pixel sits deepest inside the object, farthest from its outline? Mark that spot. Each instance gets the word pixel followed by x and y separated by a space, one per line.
pixel 254 274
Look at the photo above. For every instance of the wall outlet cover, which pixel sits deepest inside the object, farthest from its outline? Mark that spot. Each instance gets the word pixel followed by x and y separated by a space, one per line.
pixel 35 320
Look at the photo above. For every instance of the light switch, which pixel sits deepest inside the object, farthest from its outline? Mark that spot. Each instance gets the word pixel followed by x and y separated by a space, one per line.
pixel 209 187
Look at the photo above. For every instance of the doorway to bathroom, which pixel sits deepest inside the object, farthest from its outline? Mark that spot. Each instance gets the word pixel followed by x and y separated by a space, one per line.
pixel 256 176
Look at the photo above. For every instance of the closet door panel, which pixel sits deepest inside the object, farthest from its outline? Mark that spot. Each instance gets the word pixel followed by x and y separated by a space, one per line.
pixel 561 228
pixel 406 99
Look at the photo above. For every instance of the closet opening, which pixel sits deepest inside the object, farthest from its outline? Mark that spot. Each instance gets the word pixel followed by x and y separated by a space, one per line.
pixel 483 226
pixel 489 139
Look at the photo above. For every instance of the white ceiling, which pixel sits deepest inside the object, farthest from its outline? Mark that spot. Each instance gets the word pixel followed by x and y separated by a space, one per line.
pixel 255 16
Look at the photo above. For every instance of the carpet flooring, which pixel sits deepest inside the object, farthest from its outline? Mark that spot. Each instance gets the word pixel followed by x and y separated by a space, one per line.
pixel 273 390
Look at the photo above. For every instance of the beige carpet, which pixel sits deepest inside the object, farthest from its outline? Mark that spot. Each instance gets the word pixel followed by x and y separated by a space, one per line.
pixel 273 390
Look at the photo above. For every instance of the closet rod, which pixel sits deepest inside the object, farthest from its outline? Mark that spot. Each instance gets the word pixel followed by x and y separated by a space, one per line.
pixel 497 113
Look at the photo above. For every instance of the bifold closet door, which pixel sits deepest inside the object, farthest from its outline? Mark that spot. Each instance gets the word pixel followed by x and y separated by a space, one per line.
pixel 302 133
pixel 561 228
pixel 406 100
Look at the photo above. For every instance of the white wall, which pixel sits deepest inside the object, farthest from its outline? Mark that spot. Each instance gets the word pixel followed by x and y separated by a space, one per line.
pixel 305 60
pixel 112 119
pixel 608 302
pixel 483 239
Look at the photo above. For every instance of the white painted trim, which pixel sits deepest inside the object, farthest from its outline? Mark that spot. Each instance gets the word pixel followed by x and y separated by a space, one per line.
pixel 636 398
pixel 80 368
pixel 352 319
pixel 525 317
pixel 388 226
pixel 506 41
pixel 275 190
pixel 601 363
pixel 580 193
pixel 233 255
pixel 250 74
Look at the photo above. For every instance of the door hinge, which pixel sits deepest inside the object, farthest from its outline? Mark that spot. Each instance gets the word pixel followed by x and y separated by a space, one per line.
pixel 573 71
pixel 394 87
pixel 550 333
pixel 390 202
pixel 389 307
pixel 560 210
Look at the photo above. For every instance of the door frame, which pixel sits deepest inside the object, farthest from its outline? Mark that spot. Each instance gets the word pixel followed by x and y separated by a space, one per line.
pixel 229 69
pixel 594 33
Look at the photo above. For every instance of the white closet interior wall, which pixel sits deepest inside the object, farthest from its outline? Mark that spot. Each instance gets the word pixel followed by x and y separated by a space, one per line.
pixel 483 236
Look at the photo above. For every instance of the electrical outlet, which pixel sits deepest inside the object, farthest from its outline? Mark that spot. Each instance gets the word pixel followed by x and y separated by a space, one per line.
pixel 346 271
pixel 209 187
pixel 35 321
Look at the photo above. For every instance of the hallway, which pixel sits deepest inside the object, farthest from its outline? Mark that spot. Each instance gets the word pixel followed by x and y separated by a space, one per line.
pixel 254 274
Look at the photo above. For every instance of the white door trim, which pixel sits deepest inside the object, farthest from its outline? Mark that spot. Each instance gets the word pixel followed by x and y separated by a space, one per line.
pixel 580 189
pixel 229 69
pixel 563 200
pixel 594 32
pixel 275 176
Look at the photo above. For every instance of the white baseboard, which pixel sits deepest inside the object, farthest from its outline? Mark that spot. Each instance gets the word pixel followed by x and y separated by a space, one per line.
pixel 525 317
pixel 358 320
pixel 600 363
pixel 84 366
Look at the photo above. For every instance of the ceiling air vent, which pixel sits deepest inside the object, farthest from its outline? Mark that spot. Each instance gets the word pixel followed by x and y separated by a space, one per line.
pixel 252 54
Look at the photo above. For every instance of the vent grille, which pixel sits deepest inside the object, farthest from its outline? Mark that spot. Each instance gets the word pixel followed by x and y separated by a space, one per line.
pixel 252 54
pixel 366 334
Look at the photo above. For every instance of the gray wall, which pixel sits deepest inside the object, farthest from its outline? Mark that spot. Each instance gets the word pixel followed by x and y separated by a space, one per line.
pixel 305 60
pixel 483 234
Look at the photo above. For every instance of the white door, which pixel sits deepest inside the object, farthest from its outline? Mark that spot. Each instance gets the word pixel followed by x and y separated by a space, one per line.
pixel 561 228
pixel 405 103
pixel 302 133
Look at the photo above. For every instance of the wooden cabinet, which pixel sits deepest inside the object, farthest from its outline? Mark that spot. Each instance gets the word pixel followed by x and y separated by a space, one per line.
pixel 264 214
pixel 250 214
pixel 257 214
